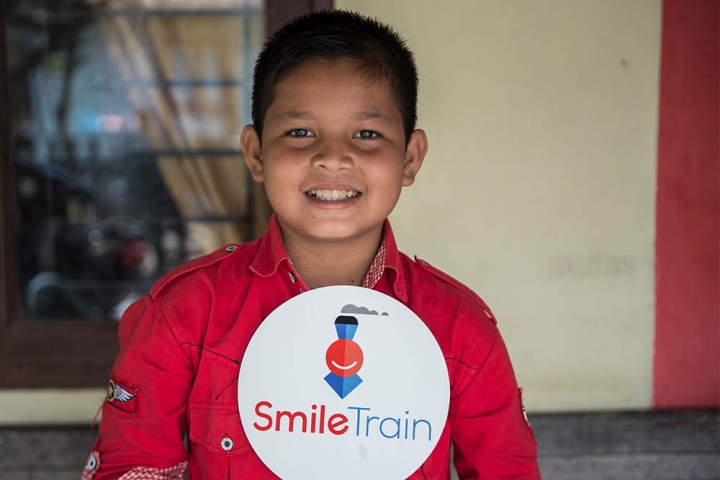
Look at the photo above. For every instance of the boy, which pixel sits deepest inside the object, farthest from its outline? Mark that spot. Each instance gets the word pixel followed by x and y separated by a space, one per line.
pixel 334 141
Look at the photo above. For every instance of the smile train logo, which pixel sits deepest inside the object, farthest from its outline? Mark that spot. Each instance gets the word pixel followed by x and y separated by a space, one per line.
pixel 344 358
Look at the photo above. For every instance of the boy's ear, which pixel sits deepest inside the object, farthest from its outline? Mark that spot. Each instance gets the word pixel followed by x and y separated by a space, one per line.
pixel 414 156
pixel 252 151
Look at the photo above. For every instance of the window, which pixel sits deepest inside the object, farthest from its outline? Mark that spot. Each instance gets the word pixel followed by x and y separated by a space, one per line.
pixel 119 160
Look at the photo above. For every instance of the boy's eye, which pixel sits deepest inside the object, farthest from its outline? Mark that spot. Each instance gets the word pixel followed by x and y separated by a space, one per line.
pixel 367 134
pixel 300 132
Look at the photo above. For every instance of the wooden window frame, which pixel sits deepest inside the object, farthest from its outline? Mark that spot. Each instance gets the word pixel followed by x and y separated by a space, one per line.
pixel 63 353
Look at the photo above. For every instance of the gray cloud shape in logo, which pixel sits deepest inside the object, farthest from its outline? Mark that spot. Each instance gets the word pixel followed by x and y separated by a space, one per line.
pixel 350 308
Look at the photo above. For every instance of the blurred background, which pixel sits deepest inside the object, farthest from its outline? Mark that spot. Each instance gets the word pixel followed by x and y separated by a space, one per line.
pixel 572 181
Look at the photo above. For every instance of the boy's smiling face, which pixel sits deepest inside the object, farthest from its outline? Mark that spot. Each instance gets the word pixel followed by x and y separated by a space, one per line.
pixel 333 155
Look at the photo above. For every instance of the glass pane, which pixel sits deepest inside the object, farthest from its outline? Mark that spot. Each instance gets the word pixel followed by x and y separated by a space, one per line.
pixel 126 118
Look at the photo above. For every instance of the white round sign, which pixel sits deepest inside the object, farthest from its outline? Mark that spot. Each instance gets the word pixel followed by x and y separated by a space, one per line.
pixel 343 382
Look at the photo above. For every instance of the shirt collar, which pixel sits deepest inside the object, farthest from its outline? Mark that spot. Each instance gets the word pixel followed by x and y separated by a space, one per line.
pixel 271 253
pixel 393 261
pixel 377 266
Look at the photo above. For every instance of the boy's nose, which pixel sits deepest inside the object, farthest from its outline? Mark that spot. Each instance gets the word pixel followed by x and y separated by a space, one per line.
pixel 333 155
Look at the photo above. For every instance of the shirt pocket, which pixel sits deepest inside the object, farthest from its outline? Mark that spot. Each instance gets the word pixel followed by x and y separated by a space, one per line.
pixel 217 438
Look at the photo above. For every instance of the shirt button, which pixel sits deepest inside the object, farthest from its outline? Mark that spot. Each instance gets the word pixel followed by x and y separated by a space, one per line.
pixel 226 444
pixel 91 463
pixel 231 248
pixel 292 278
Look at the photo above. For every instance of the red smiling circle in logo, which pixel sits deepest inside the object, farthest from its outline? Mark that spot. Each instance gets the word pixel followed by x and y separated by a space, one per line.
pixel 344 358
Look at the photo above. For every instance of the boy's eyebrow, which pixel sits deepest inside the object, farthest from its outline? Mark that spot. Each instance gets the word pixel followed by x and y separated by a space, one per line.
pixel 296 114
pixel 303 114
pixel 369 115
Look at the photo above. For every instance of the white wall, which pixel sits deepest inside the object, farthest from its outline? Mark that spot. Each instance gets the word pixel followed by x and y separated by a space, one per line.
pixel 539 187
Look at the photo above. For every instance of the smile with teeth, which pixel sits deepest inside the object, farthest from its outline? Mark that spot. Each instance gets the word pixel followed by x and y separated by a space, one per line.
pixel 332 194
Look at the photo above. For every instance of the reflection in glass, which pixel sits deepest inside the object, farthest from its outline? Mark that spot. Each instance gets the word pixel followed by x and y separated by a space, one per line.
pixel 126 118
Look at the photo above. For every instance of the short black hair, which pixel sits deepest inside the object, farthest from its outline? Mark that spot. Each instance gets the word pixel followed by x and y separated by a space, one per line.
pixel 379 51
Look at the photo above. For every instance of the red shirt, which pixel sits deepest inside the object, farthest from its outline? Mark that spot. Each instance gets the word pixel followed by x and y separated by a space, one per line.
pixel 181 347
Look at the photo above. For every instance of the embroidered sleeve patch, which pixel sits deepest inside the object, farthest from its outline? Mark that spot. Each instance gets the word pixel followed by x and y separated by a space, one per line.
pixel 522 406
pixel 121 395
pixel 524 413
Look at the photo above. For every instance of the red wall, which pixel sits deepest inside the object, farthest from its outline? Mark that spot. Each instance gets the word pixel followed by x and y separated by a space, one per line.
pixel 687 342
